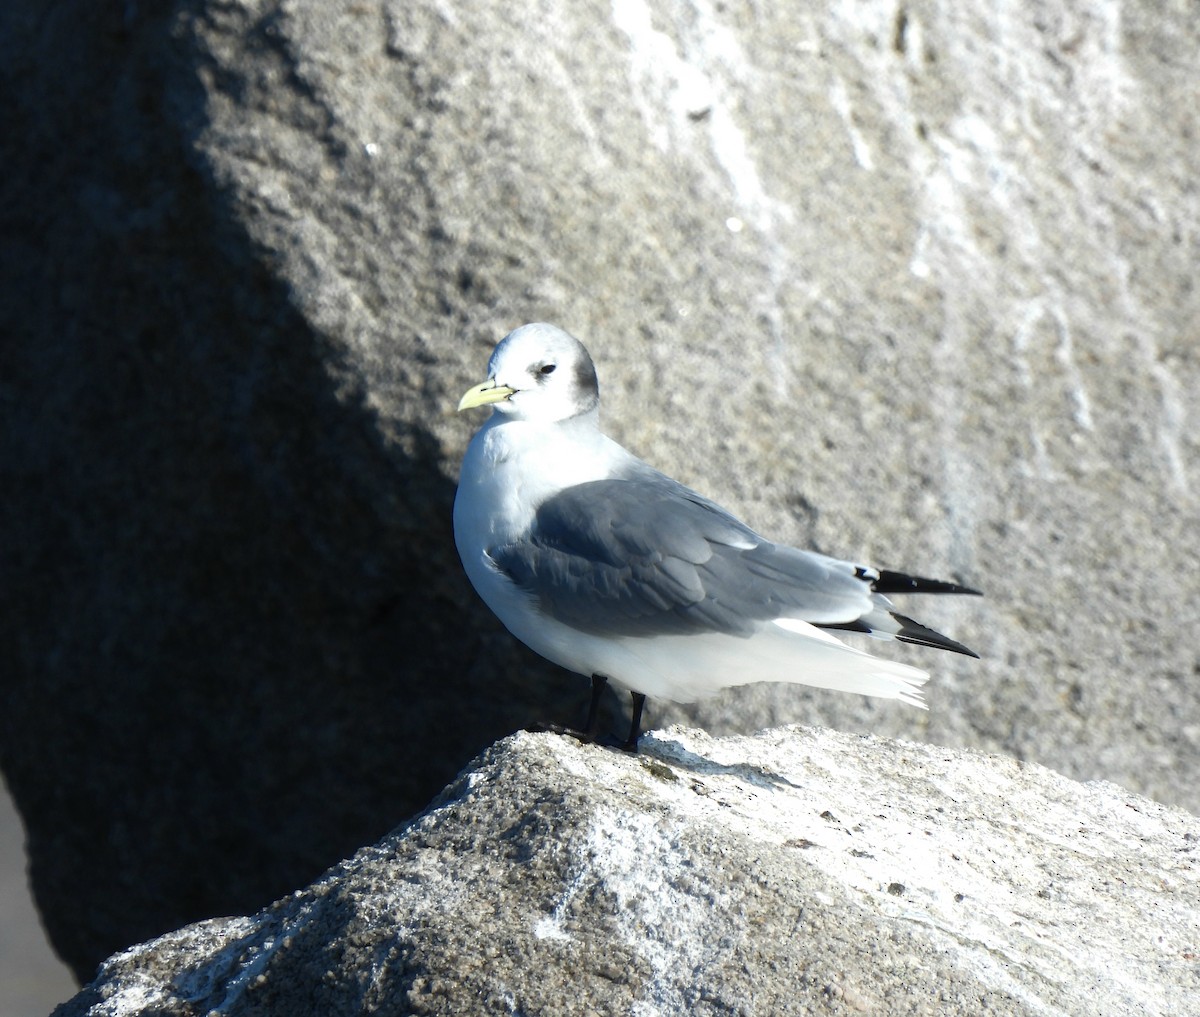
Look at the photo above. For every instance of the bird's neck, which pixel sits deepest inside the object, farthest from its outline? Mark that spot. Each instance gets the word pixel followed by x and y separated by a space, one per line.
pixel 525 461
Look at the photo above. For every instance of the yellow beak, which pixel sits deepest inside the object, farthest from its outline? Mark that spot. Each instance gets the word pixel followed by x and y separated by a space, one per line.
pixel 481 395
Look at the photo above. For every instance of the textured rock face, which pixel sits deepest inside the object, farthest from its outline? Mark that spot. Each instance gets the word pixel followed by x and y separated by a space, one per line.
pixel 794 872
pixel 912 282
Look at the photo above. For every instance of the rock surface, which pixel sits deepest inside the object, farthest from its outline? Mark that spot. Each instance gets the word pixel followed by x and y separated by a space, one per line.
pixel 797 871
pixel 907 281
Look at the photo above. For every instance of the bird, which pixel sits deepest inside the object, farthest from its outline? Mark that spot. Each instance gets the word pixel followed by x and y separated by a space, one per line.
pixel 606 566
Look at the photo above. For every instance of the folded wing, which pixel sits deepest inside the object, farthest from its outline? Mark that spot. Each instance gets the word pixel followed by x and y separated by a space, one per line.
pixel 645 556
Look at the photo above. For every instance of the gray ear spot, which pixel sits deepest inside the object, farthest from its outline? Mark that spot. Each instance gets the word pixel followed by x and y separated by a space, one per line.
pixel 585 379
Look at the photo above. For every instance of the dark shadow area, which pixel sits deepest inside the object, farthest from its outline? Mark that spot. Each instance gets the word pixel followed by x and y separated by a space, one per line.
pixel 237 641
pixel 673 753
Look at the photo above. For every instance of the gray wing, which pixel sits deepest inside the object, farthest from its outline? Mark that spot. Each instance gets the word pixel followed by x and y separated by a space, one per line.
pixel 648 556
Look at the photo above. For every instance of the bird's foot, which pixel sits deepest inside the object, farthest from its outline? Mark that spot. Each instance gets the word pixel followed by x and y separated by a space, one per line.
pixel 587 737
pixel 612 741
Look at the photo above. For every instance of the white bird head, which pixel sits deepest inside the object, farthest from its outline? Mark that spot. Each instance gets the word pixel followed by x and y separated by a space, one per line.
pixel 540 373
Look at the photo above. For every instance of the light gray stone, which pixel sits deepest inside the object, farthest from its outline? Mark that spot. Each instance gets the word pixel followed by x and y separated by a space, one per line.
pixel 792 872
pixel 906 281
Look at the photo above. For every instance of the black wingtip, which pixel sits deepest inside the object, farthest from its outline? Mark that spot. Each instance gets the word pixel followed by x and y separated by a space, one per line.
pixel 920 635
pixel 902 582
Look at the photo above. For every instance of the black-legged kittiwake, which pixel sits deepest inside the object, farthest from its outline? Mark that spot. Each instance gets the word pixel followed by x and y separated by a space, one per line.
pixel 609 568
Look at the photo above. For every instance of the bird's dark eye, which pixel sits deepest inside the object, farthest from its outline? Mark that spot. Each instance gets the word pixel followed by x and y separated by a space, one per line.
pixel 547 368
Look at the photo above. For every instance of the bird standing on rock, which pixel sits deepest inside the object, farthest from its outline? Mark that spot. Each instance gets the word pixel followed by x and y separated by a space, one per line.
pixel 609 568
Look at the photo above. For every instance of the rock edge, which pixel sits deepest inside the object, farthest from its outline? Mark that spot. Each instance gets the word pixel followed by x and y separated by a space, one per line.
pixel 795 870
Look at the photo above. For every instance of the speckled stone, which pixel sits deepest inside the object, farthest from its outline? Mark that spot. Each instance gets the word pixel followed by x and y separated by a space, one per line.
pixel 794 872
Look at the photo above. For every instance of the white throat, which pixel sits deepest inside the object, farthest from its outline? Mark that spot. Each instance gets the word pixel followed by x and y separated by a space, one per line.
pixel 513 466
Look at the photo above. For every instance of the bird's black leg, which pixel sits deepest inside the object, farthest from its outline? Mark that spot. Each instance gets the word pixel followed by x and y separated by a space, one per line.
pixel 593 716
pixel 588 734
pixel 635 725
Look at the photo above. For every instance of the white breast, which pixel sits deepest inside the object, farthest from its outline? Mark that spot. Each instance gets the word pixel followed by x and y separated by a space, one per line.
pixel 510 468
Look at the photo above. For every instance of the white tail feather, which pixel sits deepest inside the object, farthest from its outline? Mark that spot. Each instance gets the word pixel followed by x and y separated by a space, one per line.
pixel 690 667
